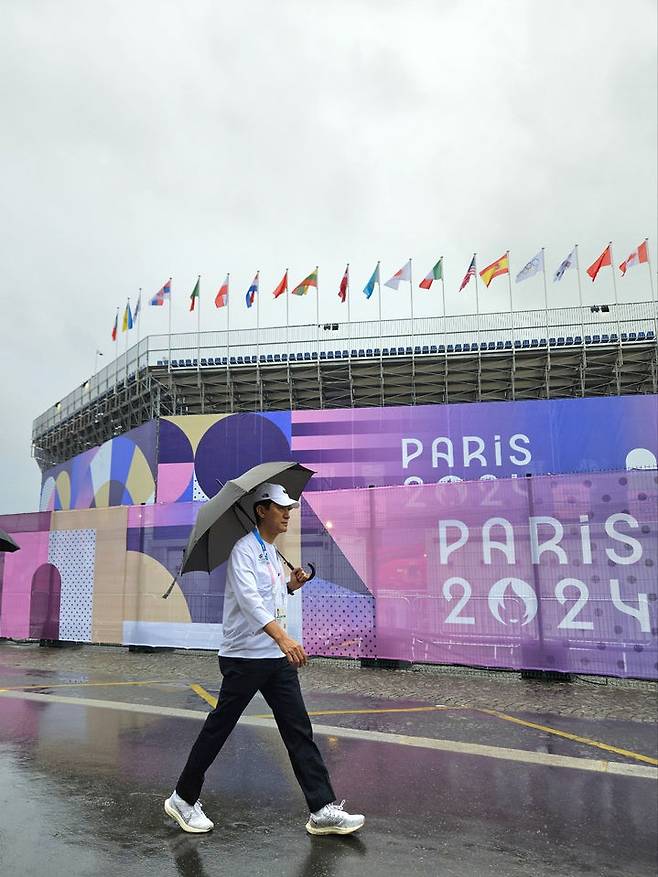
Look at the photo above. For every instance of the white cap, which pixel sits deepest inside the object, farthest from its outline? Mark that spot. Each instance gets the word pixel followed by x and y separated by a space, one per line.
pixel 276 493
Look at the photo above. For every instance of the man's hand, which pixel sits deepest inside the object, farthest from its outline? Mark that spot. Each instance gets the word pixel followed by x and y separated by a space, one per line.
pixel 293 651
pixel 298 577
pixel 290 647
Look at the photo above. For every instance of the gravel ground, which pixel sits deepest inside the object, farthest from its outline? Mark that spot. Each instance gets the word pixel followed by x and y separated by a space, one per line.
pixel 585 697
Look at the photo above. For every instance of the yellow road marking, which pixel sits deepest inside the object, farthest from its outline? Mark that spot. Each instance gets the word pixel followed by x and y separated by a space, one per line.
pixel 86 684
pixel 574 737
pixel 201 691
pixel 205 695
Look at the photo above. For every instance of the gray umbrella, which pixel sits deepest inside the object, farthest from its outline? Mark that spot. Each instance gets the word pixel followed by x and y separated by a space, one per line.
pixel 229 515
pixel 7 543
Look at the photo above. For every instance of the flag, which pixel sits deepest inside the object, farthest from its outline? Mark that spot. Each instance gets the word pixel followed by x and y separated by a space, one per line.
pixel 221 298
pixel 369 288
pixel 534 266
pixel 127 319
pixel 435 274
pixel 500 266
pixel 163 293
pixel 604 259
pixel 470 273
pixel 138 306
pixel 195 294
pixel 116 326
pixel 637 257
pixel 283 286
pixel 307 283
pixel 344 283
pixel 569 262
pixel 403 274
pixel 252 292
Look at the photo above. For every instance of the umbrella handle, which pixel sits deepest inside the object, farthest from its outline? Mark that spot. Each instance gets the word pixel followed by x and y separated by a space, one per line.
pixel 312 575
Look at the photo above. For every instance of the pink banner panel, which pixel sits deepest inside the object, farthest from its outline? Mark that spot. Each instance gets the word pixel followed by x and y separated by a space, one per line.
pixel 551 572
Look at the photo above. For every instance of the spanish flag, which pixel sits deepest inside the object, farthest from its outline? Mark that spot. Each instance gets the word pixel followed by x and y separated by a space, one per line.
pixel 500 266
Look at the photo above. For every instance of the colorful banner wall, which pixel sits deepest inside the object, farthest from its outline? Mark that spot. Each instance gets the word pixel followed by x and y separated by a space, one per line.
pixel 360 447
pixel 550 572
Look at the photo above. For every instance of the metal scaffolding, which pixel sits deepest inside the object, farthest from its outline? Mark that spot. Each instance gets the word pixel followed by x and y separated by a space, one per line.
pixel 561 353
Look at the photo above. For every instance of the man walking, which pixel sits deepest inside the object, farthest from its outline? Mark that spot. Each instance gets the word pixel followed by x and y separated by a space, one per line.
pixel 254 639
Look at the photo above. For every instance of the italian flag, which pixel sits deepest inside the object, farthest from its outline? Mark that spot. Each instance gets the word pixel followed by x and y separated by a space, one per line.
pixel 435 274
pixel 195 294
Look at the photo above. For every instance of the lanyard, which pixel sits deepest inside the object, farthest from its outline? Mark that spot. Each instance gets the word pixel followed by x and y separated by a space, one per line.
pixel 277 589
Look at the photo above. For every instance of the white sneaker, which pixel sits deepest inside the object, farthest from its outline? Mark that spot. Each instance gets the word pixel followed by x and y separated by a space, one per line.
pixel 332 819
pixel 190 818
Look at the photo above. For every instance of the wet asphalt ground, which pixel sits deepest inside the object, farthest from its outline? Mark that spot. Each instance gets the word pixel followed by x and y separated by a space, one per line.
pixel 458 773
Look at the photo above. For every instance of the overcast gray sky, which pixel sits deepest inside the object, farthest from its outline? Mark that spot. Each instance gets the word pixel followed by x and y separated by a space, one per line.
pixel 142 139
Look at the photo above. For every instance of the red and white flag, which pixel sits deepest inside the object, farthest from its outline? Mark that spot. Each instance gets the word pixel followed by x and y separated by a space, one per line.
pixel 403 274
pixel 344 283
pixel 222 296
pixel 637 257
pixel 604 260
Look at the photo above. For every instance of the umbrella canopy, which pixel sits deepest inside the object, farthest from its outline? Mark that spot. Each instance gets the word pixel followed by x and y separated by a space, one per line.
pixel 224 519
pixel 7 543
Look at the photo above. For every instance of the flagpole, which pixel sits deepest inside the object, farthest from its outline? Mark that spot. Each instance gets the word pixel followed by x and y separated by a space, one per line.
pixel 655 301
pixel 125 350
pixel 198 333
pixel 287 317
pixel 170 296
pixel 443 297
pixel 543 265
pixel 379 283
pixel 229 394
pixel 258 376
pixel 477 302
pixel 511 303
pixel 580 295
pixel 413 337
pixel 116 351
pixel 349 324
pixel 139 302
pixel 317 309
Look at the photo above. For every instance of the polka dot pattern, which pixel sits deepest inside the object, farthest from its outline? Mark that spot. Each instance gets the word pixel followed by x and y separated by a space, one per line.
pixel 73 552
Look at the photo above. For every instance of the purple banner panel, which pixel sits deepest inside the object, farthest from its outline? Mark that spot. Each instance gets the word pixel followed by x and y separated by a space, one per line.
pixel 550 572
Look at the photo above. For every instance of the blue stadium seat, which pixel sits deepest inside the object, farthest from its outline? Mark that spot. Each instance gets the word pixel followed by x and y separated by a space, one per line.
pixel 385 351
pixel 204 361
pixel 361 351
pixel 284 357
pixel 517 344
pixel 525 343
pixel 440 348
pixel 534 342
pixel 277 357
pixel 240 360
pixel 632 336
pixel 269 357
pixel 346 354
pixel 483 345
pixel 417 350
pixel 188 363
pixel 650 335
pixel 560 341
pixel 588 339
pixel 307 356
pixel 458 348
pixel 508 345
pixel 426 348
pixel 500 345
pixel 624 336
pixel 552 342
pixel 466 347
pixel 542 342
pixel 323 354
pixel 408 351
pixel 376 351
pixel 568 340
pixel 233 361
pixel 337 354
pixel 161 362
pixel 596 339
pixel 641 336
pixel 400 351
pixel 195 362
pixel 578 340
pixel 450 348
pixel 491 345
pixel 605 339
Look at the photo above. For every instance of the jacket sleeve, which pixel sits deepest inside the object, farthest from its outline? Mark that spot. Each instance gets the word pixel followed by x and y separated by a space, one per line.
pixel 241 578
